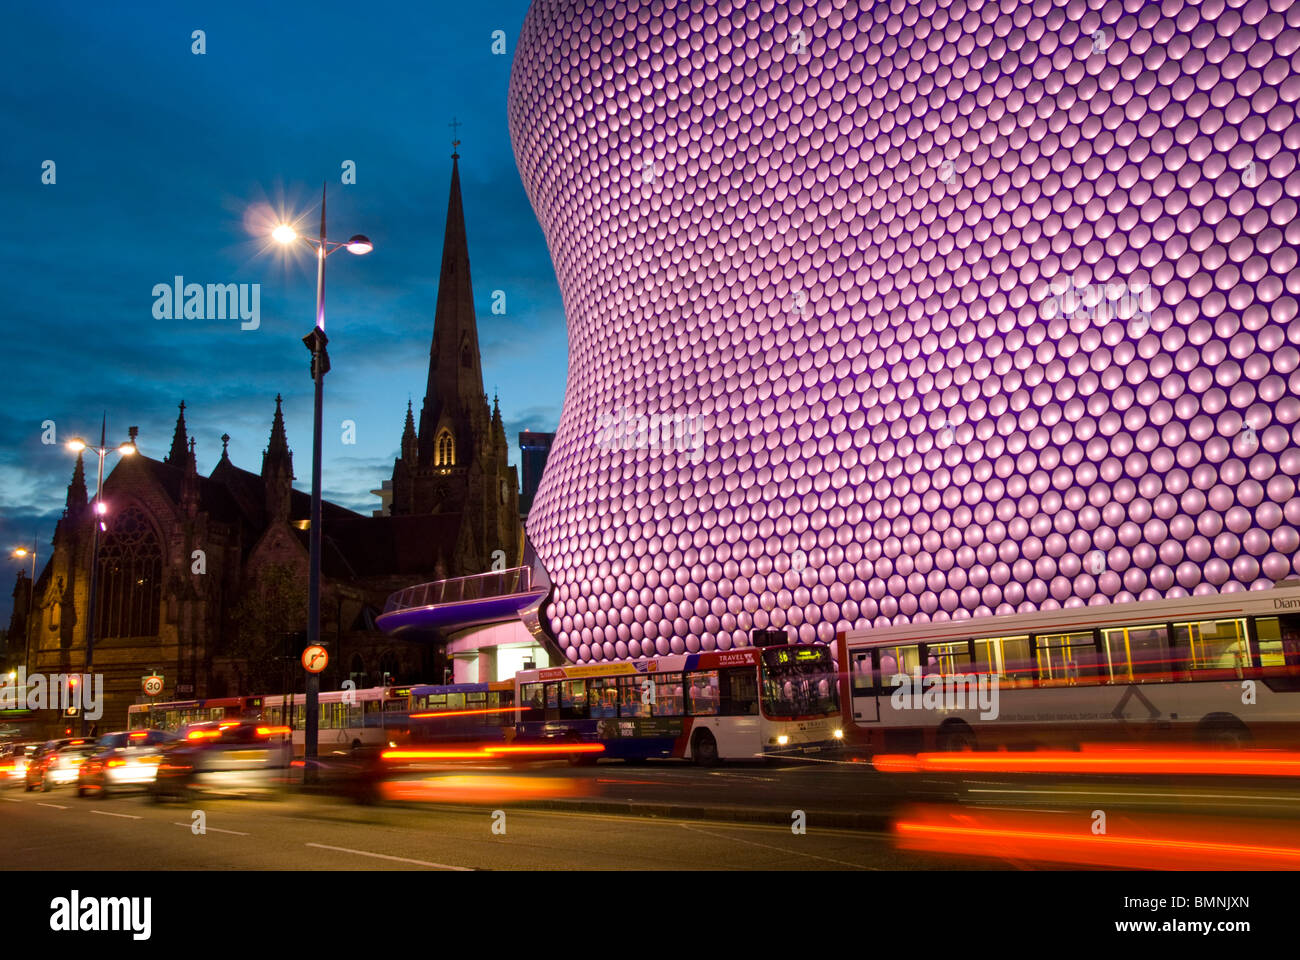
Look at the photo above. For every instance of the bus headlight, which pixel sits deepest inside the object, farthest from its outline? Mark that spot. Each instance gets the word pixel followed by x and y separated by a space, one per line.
pixel 782 740
pixel 838 734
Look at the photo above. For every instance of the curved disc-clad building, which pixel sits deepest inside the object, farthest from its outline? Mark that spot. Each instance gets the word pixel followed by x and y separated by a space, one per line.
pixel 895 312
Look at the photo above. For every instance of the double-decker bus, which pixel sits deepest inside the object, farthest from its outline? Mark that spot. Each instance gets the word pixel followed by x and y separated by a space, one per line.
pixel 349 719
pixel 176 714
pixel 463 712
pixel 738 704
pixel 1222 668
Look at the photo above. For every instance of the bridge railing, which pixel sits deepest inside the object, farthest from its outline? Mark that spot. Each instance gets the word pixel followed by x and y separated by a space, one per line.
pixel 479 586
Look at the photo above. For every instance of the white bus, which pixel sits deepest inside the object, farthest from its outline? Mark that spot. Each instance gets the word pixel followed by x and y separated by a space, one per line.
pixel 349 719
pixel 1222 669
pixel 738 704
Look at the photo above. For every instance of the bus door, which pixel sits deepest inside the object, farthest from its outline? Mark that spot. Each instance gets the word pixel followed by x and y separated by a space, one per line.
pixel 863 687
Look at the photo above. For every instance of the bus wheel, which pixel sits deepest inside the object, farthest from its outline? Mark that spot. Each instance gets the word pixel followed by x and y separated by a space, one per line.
pixel 705 749
pixel 956 737
pixel 1225 733
pixel 580 759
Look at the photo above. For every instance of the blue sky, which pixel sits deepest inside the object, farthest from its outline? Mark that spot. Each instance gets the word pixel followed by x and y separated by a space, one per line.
pixel 167 161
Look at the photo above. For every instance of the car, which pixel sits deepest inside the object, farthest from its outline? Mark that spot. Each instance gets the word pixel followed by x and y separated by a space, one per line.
pixel 128 759
pixel 234 757
pixel 13 762
pixel 55 763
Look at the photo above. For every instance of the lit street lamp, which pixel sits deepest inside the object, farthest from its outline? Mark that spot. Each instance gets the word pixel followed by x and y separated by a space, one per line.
pixel 22 553
pixel 77 445
pixel 320 365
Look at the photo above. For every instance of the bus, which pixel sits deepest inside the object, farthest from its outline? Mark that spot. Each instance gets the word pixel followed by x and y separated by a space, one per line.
pixel 1222 669
pixel 463 713
pixel 742 704
pixel 349 719
pixel 174 715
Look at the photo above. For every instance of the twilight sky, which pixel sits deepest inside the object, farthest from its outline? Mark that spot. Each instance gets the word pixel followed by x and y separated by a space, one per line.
pixel 166 163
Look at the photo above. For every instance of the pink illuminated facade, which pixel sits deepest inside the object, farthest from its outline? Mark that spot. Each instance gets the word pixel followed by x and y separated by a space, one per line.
pixel 887 313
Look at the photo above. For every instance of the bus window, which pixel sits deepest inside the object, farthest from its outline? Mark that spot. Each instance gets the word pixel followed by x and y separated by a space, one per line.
pixel 604 697
pixel 896 661
pixel 1279 641
pixel 702 693
pixel 946 659
pixel 1066 658
pixel 1006 658
pixel 530 699
pixel 573 700
pixel 1137 653
pixel 1213 644
pixel 668 698
pixel 860 673
pixel 630 697
pixel 739 689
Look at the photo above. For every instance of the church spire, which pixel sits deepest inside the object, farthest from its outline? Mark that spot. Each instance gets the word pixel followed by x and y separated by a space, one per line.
pixel 277 451
pixel 277 468
pixel 77 498
pixel 178 451
pixel 408 434
pixel 455 382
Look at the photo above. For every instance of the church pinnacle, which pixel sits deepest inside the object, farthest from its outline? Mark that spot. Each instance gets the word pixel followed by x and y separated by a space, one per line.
pixel 179 451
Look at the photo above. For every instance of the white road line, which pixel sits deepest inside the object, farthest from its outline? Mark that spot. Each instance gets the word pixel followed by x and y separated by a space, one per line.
pixel 124 816
pixel 384 856
pixel 56 806
pixel 235 833
pixel 12 800
pixel 755 843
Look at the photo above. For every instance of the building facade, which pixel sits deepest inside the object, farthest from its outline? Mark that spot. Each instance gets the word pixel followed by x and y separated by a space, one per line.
pixel 904 312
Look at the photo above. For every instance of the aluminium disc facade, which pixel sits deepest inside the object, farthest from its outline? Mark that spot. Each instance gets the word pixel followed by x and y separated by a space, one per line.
pixel 886 313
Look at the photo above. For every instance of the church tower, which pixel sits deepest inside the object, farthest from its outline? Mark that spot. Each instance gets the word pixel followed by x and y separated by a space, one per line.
pixel 453 462
pixel 277 469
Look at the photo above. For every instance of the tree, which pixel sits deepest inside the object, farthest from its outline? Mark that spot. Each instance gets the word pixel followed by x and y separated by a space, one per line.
pixel 270 612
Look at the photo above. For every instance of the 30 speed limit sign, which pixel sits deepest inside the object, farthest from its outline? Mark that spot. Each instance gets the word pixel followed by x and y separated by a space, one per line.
pixel 153 685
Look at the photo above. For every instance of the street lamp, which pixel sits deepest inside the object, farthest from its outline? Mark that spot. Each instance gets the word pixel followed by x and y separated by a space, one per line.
pixel 77 445
pixel 21 553
pixel 320 365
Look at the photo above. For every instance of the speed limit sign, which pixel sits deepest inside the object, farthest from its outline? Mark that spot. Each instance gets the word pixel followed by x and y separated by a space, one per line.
pixel 153 685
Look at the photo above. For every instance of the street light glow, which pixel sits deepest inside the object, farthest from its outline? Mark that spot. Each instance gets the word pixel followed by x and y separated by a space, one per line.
pixel 21 552
pixel 76 444
pixel 284 234
pixel 360 245
pixel 126 449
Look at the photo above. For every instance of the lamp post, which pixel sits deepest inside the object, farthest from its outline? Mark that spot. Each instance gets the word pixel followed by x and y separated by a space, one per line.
pixel 21 553
pixel 77 445
pixel 320 365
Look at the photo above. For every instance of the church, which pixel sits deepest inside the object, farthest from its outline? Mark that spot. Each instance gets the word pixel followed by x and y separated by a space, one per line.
pixel 204 579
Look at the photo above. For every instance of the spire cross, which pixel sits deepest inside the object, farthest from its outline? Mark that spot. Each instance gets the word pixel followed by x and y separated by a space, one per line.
pixel 455 142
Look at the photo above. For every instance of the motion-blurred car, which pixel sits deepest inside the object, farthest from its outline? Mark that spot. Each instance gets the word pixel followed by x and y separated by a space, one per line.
pixel 127 760
pixel 55 764
pixel 13 762
pixel 229 756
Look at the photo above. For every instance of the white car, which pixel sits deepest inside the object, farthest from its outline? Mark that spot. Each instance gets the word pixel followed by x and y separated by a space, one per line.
pixel 121 761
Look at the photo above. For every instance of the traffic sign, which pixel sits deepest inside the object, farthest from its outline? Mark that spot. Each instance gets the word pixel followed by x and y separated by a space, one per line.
pixel 315 658
pixel 152 684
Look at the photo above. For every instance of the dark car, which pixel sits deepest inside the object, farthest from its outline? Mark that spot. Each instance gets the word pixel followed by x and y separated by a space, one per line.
pixel 126 760
pixel 55 764
pixel 229 756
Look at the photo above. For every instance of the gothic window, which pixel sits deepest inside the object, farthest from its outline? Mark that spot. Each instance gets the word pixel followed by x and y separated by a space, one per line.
pixel 446 450
pixel 129 590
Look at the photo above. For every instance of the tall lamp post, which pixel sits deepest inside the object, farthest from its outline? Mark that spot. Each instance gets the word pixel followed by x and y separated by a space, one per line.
pixel 77 445
pixel 320 365
pixel 22 553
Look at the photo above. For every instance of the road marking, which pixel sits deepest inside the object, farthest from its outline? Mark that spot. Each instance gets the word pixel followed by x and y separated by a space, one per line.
pixel 755 843
pixel 56 806
pixel 235 833
pixel 124 816
pixel 384 856
pixel 11 800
